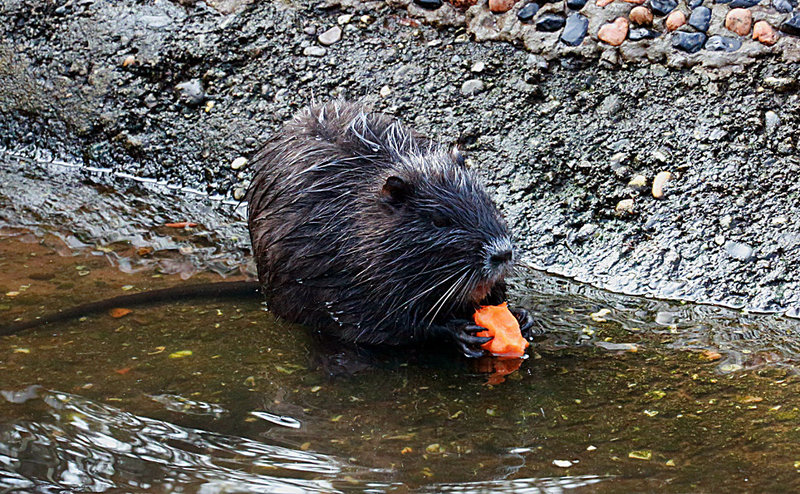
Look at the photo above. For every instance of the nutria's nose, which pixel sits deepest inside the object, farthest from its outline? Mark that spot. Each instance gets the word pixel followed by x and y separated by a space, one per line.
pixel 501 256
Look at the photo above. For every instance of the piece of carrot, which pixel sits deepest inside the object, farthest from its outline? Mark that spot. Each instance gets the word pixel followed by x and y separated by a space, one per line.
pixel 503 326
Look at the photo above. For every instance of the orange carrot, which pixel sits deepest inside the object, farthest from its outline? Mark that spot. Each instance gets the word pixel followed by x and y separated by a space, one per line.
pixel 501 323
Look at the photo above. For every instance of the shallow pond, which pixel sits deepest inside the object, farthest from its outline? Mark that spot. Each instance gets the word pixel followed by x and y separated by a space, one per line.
pixel 620 394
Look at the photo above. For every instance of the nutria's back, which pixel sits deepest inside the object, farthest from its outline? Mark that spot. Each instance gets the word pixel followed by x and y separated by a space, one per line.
pixel 367 230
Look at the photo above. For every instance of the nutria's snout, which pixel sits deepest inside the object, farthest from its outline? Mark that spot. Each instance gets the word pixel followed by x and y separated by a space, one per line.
pixel 498 263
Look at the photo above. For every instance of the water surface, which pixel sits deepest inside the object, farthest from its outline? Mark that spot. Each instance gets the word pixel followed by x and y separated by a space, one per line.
pixel 620 394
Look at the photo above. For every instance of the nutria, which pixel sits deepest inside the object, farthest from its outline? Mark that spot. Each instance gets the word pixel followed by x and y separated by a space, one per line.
pixel 365 229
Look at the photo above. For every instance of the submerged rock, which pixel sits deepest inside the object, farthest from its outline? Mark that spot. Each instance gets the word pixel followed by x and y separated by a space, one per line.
pixel 575 29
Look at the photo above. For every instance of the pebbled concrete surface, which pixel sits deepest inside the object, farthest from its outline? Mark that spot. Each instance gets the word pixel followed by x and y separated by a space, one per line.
pixel 96 82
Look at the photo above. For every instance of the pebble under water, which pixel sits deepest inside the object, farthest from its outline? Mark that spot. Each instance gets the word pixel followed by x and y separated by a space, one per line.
pixel 619 394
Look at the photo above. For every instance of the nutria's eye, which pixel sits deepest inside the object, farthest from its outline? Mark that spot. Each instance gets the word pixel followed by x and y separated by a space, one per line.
pixel 439 220
pixel 395 190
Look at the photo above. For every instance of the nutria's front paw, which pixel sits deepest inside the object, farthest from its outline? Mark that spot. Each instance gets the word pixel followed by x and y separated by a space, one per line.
pixel 463 333
pixel 525 323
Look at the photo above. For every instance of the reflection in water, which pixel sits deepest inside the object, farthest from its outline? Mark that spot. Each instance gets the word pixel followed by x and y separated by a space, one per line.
pixel 78 444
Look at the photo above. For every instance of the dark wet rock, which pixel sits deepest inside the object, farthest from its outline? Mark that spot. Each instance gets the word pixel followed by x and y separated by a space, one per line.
pixel 688 42
pixel 744 4
pixel 700 18
pixel 663 7
pixel 693 4
pixel 429 4
pixel 527 12
pixel 784 6
pixel 576 4
pixel 723 43
pixel 722 1
pixel 575 29
pixel 642 33
pixel 550 23
pixel 191 92
pixel 792 26
pixel 740 251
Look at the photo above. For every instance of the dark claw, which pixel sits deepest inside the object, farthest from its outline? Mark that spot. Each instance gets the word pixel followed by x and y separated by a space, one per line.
pixel 470 352
pixel 474 340
pixel 525 322
pixel 463 333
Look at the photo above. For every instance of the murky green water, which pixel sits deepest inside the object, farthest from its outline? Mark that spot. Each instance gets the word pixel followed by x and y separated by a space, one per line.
pixel 621 394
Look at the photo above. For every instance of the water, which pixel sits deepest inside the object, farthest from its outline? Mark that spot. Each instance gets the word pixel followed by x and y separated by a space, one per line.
pixel 620 394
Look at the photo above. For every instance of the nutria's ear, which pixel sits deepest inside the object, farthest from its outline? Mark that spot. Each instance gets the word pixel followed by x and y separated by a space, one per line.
pixel 457 156
pixel 395 190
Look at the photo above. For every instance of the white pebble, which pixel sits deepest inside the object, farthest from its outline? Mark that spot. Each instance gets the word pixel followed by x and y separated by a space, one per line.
pixel 562 463
pixel 314 51
pixel 658 184
pixel 239 163
pixel 330 36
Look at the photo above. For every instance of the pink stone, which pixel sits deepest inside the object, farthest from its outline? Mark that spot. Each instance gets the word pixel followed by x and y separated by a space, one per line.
pixel 603 3
pixel 675 19
pixel 641 16
pixel 739 21
pixel 764 33
pixel 614 33
pixel 500 6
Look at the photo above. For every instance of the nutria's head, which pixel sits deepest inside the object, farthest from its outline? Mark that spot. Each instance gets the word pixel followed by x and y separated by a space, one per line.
pixel 434 234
